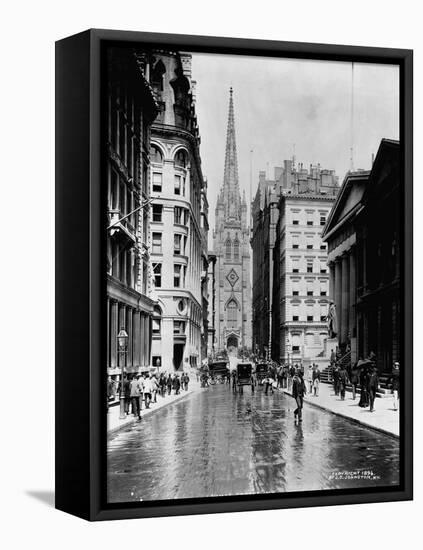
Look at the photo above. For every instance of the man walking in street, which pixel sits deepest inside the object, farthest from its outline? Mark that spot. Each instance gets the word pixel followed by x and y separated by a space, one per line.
pixel 342 380
pixel 354 380
pixel 373 387
pixel 135 394
pixel 148 386
pixel 169 384
pixel 335 377
pixel 316 380
pixel 395 381
pixel 298 392
pixel 176 384
pixel 310 378
pixel 126 393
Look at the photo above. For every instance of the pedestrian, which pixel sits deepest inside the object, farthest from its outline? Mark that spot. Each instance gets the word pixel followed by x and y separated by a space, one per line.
pixel 373 387
pixel 176 384
pixel 110 391
pixel 136 394
pixel 363 379
pixel 343 381
pixel 186 381
pixel 335 377
pixel 354 379
pixel 155 388
pixel 310 378
pixel 395 381
pixel 148 386
pixel 126 393
pixel 316 380
pixel 169 384
pixel 162 384
pixel 298 392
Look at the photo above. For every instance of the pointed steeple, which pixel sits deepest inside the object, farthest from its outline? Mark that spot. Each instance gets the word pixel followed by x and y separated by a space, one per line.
pixel 230 190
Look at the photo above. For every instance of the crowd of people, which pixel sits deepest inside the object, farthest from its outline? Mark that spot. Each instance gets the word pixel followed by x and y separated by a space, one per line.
pixel 139 388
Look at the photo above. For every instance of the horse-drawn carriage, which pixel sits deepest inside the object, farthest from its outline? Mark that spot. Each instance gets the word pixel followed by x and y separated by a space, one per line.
pixel 243 376
pixel 262 371
pixel 219 372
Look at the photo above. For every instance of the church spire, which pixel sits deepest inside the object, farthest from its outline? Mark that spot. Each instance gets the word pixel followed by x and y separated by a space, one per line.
pixel 231 196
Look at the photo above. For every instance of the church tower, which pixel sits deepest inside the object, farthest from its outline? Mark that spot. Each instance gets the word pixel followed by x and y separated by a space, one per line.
pixel 231 243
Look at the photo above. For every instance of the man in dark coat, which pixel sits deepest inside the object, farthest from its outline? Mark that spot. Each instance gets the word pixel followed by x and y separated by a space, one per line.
pixel 373 387
pixel 169 384
pixel 395 382
pixel 126 392
pixel 354 378
pixel 298 392
pixel 343 380
pixel 335 376
pixel 176 384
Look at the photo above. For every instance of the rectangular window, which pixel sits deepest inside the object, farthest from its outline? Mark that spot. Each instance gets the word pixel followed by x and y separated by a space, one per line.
pixel 295 266
pixel 157 182
pixel 309 267
pixel 295 222
pixel 177 270
pixel 157 243
pixel 296 349
pixel 157 212
pixel 322 247
pixel 309 242
pixel 295 318
pixel 178 215
pixel 309 317
pixel 295 241
pixel 177 244
pixel 323 268
pixel 310 216
pixel 157 272
pixel 178 185
pixel 322 220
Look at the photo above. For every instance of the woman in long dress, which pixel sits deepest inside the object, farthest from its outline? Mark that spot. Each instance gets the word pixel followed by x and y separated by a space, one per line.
pixel 364 380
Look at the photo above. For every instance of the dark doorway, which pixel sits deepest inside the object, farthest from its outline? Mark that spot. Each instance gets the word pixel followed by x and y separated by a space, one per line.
pixel 178 354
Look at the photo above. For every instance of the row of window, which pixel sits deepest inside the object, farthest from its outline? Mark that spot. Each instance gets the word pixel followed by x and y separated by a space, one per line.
pixel 179 243
pixel 309 267
pixel 180 215
pixel 180 159
pixel 179 183
pixel 178 327
pixel 310 293
pixel 179 275
pixel 309 219
pixel 309 318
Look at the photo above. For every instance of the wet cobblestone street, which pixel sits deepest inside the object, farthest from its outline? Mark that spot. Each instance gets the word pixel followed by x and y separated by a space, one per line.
pixel 214 443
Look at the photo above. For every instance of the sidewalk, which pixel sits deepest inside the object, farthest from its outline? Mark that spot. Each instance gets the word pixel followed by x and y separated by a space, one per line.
pixel 114 423
pixel 383 418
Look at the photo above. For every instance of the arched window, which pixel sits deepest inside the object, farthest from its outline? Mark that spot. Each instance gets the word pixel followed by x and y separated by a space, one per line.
pixel 228 249
pixel 236 249
pixel 156 155
pixel 232 314
pixel 181 159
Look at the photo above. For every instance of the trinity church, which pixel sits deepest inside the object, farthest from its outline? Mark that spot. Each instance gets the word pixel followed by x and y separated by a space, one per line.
pixel 231 245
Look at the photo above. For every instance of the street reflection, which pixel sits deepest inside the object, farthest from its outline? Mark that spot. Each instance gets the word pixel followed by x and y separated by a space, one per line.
pixel 214 443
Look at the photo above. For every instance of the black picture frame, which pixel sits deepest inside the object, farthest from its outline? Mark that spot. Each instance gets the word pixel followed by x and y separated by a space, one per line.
pixel 80 286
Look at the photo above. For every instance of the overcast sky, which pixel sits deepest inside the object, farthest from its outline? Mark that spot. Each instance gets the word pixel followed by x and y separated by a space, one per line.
pixel 282 102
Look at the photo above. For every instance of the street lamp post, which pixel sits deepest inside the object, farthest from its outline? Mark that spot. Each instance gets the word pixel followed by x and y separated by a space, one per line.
pixel 122 341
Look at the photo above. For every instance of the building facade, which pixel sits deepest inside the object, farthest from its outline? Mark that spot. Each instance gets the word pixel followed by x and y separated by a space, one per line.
pixel 291 279
pixel 131 110
pixel 364 251
pixel 178 216
pixel 231 246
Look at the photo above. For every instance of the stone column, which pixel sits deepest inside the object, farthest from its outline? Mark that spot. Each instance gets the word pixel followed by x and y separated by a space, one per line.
pixel 129 329
pixel 113 333
pixel 338 295
pixel 345 299
pixel 108 333
pixel 352 305
pixel 332 281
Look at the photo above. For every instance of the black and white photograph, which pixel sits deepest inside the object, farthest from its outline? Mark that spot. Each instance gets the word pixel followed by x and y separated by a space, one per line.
pixel 253 228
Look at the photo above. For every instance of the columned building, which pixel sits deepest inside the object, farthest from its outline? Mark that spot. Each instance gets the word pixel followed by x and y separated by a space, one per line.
pixel 130 111
pixel 232 249
pixel 291 279
pixel 179 216
pixel 364 242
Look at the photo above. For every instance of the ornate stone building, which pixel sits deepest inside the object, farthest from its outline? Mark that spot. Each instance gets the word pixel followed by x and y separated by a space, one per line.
pixel 231 246
pixel 364 237
pixel 130 111
pixel 179 217
pixel 290 275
